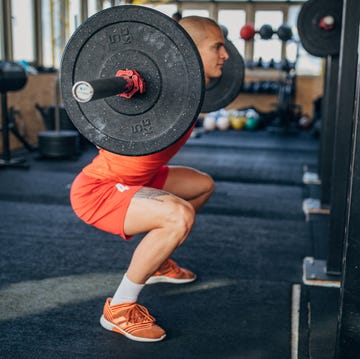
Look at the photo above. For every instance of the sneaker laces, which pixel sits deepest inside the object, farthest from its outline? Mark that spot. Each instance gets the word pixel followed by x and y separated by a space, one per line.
pixel 139 314
pixel 171 266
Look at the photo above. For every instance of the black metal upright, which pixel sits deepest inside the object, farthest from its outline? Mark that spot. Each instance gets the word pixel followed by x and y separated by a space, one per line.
pixel 328 127
pixel 343 135
pixel 12 78
pixel 348 333
pixel 5 130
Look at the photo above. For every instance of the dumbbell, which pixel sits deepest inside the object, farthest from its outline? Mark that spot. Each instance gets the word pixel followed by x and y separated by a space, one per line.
pixel 284 32
pixel 266 32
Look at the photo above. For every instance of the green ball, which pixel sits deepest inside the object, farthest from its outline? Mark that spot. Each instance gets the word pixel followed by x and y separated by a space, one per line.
pixel 252 123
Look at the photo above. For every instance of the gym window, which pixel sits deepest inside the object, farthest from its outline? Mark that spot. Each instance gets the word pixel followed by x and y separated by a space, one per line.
pixel 91 7
pixel 268 49
pixel 167 9
pixel 306 63
pixel 53 23
pixel 48 55
pixel 106 4
pixel 74 15
pixel 60 18
pixel 22 24
pixel 195 12
pixel 2 35
pixel 233 20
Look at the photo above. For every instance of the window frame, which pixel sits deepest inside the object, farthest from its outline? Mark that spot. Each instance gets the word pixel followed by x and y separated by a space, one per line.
pixel 2 33
pixel 32 19
pixel 213 7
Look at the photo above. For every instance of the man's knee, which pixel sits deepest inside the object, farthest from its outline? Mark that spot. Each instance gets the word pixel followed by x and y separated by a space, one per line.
pixel 209 183
pixel 206 184
pixel 181 218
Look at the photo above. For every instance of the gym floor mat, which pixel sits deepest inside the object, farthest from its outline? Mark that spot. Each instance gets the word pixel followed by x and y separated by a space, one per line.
pixel 57 273
pixel 246 247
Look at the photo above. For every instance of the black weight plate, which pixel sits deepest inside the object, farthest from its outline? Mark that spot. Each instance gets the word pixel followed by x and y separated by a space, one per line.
pixel 145 40
pixel 58 144
pixel 222 91
pixel 315 40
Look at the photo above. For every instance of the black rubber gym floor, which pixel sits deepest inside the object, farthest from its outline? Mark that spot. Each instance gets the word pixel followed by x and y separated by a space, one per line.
pixel 247 248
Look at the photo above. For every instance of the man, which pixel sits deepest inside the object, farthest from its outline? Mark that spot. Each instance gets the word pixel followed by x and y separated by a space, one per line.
pixel 132 195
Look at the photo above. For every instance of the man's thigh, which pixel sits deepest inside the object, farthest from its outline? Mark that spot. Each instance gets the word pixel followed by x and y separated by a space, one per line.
pixel 186 182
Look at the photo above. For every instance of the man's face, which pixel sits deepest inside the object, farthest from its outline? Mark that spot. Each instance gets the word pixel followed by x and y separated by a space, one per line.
pixel 213 53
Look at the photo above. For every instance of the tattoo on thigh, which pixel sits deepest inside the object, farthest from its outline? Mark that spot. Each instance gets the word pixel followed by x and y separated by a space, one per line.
pixel 151 193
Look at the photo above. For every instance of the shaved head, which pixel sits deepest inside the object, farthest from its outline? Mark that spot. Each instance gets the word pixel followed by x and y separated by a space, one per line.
pixel 209 40
pixel 197 27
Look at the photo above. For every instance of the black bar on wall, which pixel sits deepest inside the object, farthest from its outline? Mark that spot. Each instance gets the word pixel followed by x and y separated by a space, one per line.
pixel 8 48
pixel 84 10
pixel 39 53
pixel 343 133
pixel 327 135
pixel 348 333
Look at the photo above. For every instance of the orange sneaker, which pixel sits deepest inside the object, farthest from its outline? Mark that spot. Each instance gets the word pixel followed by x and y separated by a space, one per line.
pixel 131 320
pixel 170 272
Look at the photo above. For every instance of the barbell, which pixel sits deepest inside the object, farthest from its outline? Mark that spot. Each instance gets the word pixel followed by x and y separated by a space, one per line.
pixel 132 80
pixel 319 26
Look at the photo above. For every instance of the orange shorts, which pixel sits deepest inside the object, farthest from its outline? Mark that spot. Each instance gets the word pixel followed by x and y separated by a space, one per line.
pixel 104 203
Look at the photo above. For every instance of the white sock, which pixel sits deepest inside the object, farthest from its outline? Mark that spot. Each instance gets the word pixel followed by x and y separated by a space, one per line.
pixel 127 291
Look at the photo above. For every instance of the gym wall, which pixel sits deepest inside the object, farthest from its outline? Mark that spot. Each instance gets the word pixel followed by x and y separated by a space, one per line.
pixel 38 89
